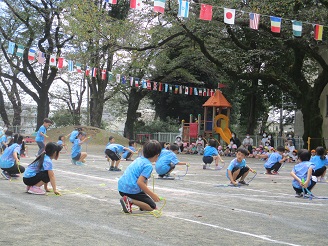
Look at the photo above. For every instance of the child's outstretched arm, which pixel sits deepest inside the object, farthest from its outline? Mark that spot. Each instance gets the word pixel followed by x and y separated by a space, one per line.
pixel 143 186
pixel 231 178
pixel 308 178
pixel 52 182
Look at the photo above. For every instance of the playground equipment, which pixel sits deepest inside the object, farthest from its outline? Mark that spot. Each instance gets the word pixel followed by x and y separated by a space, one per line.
pixel 215 123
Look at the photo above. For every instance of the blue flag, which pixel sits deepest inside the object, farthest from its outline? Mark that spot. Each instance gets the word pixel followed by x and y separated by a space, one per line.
pixel 11 48
pixel 183 9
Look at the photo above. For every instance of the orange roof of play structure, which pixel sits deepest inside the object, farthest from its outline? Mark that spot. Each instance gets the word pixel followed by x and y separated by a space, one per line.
pixel 217 100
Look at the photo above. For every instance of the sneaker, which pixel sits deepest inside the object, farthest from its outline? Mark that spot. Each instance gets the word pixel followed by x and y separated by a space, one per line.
pixel 111 168
pixel 5 175
pixel 14 175
pixel 274 173
pixel 126 205
pixel 242 182
pixel 116 169
pixel 73 162
pixel 79 163
pixel 315 179
pixel 298 195
pixel 36 190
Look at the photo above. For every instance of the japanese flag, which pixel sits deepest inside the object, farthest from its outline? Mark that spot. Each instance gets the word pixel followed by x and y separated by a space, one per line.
pixel 52 60
pixel 229 16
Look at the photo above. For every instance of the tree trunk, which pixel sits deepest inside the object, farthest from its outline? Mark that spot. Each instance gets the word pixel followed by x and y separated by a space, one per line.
pixel 97 101
pixel 3 111
pixel 42 109
pixel 251 124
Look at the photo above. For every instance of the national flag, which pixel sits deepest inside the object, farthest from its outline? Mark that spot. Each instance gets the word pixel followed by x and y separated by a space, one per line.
pixel 170 88
pixel 123 79
pixel 211 92
pixel 166 87
pixel 160 86
pixel 155 86
pixel 204 92
pixel 136 4
pixel 110 76
pixel 200 92
pixel 275 24
pixel 208 92
pixel 70 65
pixel 94 72
pixel 195 91
pixel 222 86
pixel 11 47
pixel 318 31
pixel 87 71
pixel 183 9
pixel 118 78
pixel 176 89
pixel 78 67
pixel 180 89
pixel 41 57
pixel 20 50
pixel 190 90
pixel 148 85
pixel 254 21
pixel 131 81
pixel 104 74
pixel 297 28
pixel 205 12
pixel 186 90
pixel 31 54
pixel 144 84
pixel 159 6
pixel 229 16
pixel 136 82
pixel 111 1
pixel 52 60
pixel 60 62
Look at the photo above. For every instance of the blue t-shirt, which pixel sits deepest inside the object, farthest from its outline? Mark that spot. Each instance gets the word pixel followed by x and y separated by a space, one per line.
pixel 33 169
pixel 76 148
pixel 126 152
pixel 235 164
pixel 117 148
pixel 73 135
pixel 7 159
pixel 164 160
pixel 273 159
pixel 128 181
pixel 301 171
pixel 39 137
pixel 318 162
pixel 210 151
pixel 3 140
pixel 60 142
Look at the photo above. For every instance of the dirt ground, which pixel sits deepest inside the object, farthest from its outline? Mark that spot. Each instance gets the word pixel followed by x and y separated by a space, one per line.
pixel 198 211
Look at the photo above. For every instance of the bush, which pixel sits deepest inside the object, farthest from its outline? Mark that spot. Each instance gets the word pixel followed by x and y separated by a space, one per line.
pixel 169 125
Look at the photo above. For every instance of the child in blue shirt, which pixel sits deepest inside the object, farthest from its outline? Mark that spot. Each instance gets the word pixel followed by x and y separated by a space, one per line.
pixel 127 155
pixel 113 152
pixel 302 173
pixel 320 163
pixel 238 168
pixel 132 185
pixel 78 157
pixel 61 142
pixel 40 171
pixel 275 160
pixel 211 153
pixel 167 161
pixel 41 134
pixel 4 140
pixel 74 134
pixel 9 161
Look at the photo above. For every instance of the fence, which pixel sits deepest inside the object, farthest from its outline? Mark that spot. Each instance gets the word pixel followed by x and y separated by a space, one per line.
pixel 26 130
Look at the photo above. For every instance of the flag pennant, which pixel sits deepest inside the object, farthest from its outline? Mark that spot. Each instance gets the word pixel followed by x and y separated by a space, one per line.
pixel 180 89
pixel 11 48
pixel 297 28
pixel 118 78
pixel 87 71
pixel 20 50
pixel 275 24
pixel 111 1
pixel 204 92
pixel 144 84
pixel 136 4
pixel 110 76
pixel 183 9
pixel 60 62
pixel 160 86
pixel 211 92
pixel 148 85
pixel 52 60
pixel 104 74
pixel 318 31
pixel 229 16
pixel 41 57
pixel 131 81
pixel 205 12
pixel 170 88
pixel 208 92
pixel 166 87
pixel 136 82
pixel 190 90
pixel 222 86
pixel 94 72
pixel 200 92
pixel 155 86
pixel 176 89
pixel 159 6
pixel 70 65
pixel 78 67
pixel 31 54
pixel 123 79
pixel 186 90
pixel 254 21
pixel 195 91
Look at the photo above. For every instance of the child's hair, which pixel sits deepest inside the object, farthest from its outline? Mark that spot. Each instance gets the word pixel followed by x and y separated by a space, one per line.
pixel 174 147
pixel 131 142
pixel 164 144
pixel 212 142
pixel 81 134
pixel 79 129
pixel 321 152
pixel 16 139
pixel 8 133
pixel 280 148
pixel 304 155
pixel 243 151
pixel 110 138
pixel 151 148
pixel 50 149
pixel 46 120
pixel 59 138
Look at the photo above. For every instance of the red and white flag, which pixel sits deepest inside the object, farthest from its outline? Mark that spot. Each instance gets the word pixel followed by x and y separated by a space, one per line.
pixel 136 4
pixel 136 82
pixel 205 12
pixel 94 72
pixel 111 1
pixel 87 71
pixel 229 16
pixel 103 74
pixel 60 62
pixel 52 60
pixel 254 21
pixel 41 57
pixel 148 85
pixel 31 54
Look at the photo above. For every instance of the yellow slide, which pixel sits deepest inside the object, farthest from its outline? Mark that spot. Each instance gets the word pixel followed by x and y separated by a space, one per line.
pixel 223 130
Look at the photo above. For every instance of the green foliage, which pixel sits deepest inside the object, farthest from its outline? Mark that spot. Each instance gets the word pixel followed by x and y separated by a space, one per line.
pixel 169 125
pixel 62 118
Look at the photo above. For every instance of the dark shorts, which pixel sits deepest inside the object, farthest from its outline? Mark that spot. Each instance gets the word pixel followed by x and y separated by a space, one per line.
pixel 172 166
pixel 310 187
pixel 319 172
pixel 207 159
pixel 242 171
pixel 128 155
pixel 41 176
pixel 76 158
pixel 142 197
pixel 112 155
